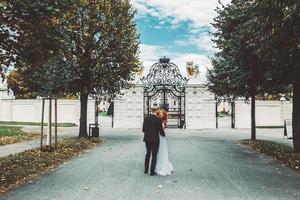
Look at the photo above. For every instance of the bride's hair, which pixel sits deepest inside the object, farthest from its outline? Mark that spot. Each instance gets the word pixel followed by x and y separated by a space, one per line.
pixel 165 115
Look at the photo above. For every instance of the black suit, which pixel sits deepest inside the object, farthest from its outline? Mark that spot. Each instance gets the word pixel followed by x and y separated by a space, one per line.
pixel 152 127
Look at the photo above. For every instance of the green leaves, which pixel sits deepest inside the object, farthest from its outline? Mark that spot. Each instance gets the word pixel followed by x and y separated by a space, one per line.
pixel 96 39
pixel 259 51
pixel 105 46
pixel 52 78
pixel 34 35
pixel 242 56
pixel 76 47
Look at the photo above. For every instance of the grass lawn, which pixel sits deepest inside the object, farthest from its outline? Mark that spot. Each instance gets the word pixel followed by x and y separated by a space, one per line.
pixel 13 134
pixel 35 124
pixel 104 114
pixel 221 114
pixel 278 151
pixel 269 126
pixel 11 131
pixel 19 168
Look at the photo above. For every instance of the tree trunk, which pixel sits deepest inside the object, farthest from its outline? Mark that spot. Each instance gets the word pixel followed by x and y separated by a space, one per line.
pixel 233 114
pixel 296 115
pixel 253 126
pixel 49 133
pixel 83 115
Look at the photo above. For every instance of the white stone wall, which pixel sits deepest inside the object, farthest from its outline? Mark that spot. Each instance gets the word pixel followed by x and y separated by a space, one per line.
pixel 242 114
pixel 128 108
pixel 200 108
pixel 29 110
pixel 268 113
pixel 287 110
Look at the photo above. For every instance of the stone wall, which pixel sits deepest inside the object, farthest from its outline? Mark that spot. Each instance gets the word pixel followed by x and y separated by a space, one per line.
pixel 128 108
pixel 242 114
pixel 200 108
pixel 268 113
pixel 29 110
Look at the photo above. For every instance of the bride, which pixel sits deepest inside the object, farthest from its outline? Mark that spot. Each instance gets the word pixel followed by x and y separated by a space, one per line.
pixel 163 165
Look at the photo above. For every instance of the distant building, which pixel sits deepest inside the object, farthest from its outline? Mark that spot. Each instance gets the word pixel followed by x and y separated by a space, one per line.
pixel 103 106
pixel 5 93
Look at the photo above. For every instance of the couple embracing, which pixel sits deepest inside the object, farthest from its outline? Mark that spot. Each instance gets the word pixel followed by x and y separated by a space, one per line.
pixel 156 143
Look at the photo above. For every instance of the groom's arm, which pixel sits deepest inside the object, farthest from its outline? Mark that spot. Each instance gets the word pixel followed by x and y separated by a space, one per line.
pixel 143 129
pixel 161 129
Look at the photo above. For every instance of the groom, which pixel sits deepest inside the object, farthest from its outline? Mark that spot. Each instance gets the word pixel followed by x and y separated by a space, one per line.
pixel 152 127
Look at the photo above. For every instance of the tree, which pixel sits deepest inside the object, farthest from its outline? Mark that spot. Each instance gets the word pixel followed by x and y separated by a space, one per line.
pixel 103 48
pixel 278 43
pixel 31 36
pixel 6 41
pixel 233 74
pixel 21 89
pixel 237 70
pixel 53 78
pixel 98 38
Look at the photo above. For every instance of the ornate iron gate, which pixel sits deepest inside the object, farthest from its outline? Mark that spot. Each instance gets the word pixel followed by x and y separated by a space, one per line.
pixel 165 86
pixel 231 102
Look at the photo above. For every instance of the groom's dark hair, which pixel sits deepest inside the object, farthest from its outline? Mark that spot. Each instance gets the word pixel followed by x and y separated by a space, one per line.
pixel 154 108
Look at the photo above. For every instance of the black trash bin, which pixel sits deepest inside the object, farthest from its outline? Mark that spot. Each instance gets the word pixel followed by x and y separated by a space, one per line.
pixel 93 130
pixel 182 122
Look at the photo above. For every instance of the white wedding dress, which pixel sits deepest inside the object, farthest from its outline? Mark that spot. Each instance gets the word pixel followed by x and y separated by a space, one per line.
pixel 163 166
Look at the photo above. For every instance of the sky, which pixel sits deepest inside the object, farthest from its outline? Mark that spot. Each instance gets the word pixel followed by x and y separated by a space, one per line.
pixel 178 29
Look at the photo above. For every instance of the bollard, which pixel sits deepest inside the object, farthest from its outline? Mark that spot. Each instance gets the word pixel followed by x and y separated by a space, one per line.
pixel 285 131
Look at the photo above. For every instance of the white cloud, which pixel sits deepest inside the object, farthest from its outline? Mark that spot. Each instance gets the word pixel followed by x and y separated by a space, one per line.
pixel 199 14
pixel 150 54
pixel 203 42
pixel 157 27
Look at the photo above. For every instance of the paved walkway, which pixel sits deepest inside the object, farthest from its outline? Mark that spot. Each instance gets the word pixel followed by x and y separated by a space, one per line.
pixel 23 146
pixel 208 165
pixel 62 133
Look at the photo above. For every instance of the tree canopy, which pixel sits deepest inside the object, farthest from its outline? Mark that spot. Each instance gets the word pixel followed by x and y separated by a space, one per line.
pixel 96 39
pixel 259 51
pixel 31 35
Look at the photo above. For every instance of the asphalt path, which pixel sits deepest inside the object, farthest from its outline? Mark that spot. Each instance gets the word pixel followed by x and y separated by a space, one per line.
pixel 209 164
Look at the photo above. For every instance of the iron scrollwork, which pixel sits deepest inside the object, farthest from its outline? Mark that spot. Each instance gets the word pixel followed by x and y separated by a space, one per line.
pixel 164 82
pixel 164 75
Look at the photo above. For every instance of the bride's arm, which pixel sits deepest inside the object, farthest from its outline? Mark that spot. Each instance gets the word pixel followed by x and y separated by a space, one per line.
pixel 161 129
